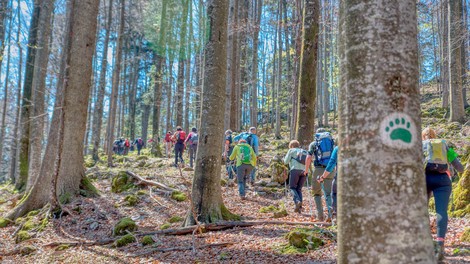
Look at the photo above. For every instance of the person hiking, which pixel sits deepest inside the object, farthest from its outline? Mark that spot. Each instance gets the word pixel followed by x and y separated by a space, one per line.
pixel 251 139
pixel 228 148
pixel 329 169
pixel 191 142
pixel 116 146
pixel 296 157
pixel 168 144
pixel 139 143
pixel 127 145
pixel 320 151
pixel 179 138
pixel 246 161
pixel 438 156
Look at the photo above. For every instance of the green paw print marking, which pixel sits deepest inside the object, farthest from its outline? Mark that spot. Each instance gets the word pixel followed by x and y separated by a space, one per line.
pixel 400 130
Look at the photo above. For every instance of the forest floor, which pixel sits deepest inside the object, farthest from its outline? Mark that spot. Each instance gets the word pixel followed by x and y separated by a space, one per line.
pixel 92 219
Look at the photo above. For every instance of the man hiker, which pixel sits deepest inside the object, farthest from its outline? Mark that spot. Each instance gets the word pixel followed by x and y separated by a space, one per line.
pixel 296 157
pixel 168 144
pixel 139 143
pixel 246 161
pixel 320 151
pixel 191 142
pixel 228 148
pixel 251 139
pixel 329 169
pixel 179 138
pixel 127 145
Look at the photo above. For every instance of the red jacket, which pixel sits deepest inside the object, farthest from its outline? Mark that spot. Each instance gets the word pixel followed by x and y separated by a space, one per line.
pixel 168 137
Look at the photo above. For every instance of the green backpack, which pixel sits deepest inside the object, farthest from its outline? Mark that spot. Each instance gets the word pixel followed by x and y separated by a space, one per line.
pixel 244 153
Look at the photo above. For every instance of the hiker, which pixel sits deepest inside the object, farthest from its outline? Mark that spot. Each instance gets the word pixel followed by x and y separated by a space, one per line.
pixel 246 161
pixel 438 156
pixel 251 139
pixel 320 151
pixel 179 138
pixel 296 157
pixel 191 142
pixel 168 144
pixel 121 146
pixel 127 145
pixel 329 169
pixel 116 146
pixel 227 152
pixel 139 143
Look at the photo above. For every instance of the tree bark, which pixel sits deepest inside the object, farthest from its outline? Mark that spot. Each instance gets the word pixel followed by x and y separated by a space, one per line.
pixel 206 196
pixel 379 98
pixel 308 71
pixel 181 60
pixel 234 69
pixel 457 112
pixel 279 74
pixel 115 87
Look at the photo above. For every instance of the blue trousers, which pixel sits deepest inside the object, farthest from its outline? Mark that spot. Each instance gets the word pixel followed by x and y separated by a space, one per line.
pixel 440 186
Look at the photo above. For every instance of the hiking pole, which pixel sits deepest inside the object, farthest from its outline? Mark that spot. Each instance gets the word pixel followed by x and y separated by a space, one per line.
pixel 308 191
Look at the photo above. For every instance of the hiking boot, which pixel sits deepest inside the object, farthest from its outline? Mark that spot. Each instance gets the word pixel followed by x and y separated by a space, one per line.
pixel 439 252
pixel 298 207
pixel 242 198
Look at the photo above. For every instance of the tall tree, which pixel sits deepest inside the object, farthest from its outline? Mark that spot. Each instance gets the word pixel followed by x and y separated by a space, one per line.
pixel 115 87
pixel 38 89
pixel 457 112
pixel 234 67
pixel 181 62
pixel 279 73
pixel 308 73
pixel 206 202
pixel 379 137
pixel 69 170
pixel 98 111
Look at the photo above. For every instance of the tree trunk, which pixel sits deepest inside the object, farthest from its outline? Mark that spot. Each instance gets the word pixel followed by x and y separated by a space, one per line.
pixel 38 88
pixel 73 114
pixel 115 87
pixel 279 74
pixel 181 60
pixel 457 112
pixel 98 111
pixel 206 203
pixel 445 54
pixel 379 137
pixel 254 79
pixel 234 67
pixel 308 74
pixel 464 53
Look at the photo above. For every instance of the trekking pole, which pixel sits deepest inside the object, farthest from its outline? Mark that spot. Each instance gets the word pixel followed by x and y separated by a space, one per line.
pixel 308 191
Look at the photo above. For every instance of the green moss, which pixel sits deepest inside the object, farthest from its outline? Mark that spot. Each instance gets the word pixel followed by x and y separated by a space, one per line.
pixel 125 240
pixel 461 192
pixel 466 235
pixel 165 226
pixel 32 213
pixel 62 247
pixel 4 222
pixel 432 205
pixel 142 157
pixel 87 189
pixel 89 162
pixel 223 182
pixel 22 236
pixel 141 192
pixel 461 252
pixel 26 250
pixel 121 182
pixel 175 219
pixel 179 196
pixel 28 225
pixel 291 250
pixel 278 170
pixel 65 198
pixel 227 215
pixel 147 240
pixel 304 238
pixel 281 212
pixel 131 200
pixel 224 256
pixel 268 209
pixel 124 225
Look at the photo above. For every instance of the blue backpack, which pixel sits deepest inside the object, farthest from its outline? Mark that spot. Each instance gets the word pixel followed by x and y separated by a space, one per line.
pixel 324 145
pixel 246 136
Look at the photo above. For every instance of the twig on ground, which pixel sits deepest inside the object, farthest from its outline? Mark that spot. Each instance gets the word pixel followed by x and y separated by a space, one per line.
pixel 153 198
pixel 143 181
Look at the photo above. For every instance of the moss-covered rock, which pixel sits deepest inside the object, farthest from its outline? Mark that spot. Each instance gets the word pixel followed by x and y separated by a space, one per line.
pixel 461 191
pixel 466 235
pixel 4 222
pixel 22 236
pixel 268 209
pixel 124 225
pixel 165 226
pixel 278 170
pixel 179 196
pixel 125 240
pixel 131 200
pixel 142 157
pixel 175 219
pixel 147 240
pixel 304 238
pixel 121 182
pixel 28 225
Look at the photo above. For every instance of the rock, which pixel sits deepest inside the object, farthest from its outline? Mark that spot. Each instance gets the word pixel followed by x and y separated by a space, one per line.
pixel 121 182
pixel 94 226
pixel 124 225
pixel 272 184
pixel 127 239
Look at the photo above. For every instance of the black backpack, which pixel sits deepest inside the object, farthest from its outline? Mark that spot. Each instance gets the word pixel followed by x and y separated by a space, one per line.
pixel 301 156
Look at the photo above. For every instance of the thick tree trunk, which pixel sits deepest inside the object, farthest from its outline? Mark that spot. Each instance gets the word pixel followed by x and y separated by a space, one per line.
pixel 279 75
pixel 457 112
pixel 379 137
pixel 234 66
pixel 38 88
pixel 308 74
pixel 115 87
pixel 464 60
pixel 206 201
pixel 254 79
pixel 98 111
pixel 181 59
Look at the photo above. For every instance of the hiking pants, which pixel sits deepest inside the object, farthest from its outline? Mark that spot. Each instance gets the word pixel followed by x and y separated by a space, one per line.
pixel 333 194
pixel 231 169
pixel 296 182
pixel 325 186
pixel 179 148
pixel 440 186
pixel 168 149
pixel 243 172
pixel 192 154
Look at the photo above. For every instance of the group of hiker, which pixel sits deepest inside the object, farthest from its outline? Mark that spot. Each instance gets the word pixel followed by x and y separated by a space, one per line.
pixel 122 146
pixel 179 141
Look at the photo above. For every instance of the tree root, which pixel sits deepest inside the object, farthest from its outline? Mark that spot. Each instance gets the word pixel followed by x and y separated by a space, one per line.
pixel 142 181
